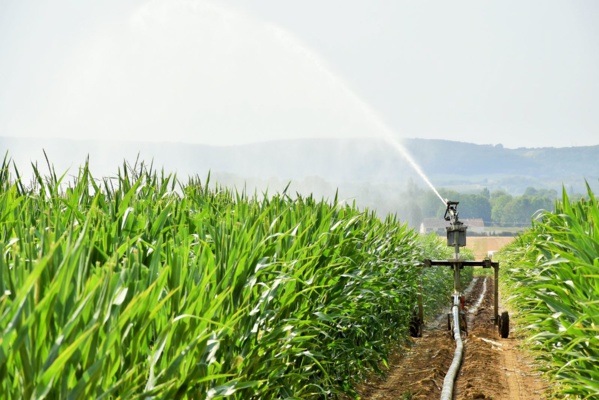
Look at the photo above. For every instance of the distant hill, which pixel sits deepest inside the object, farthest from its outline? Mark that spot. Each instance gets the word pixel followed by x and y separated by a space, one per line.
pixel 496 167
pixel 545 162
pixel 331 163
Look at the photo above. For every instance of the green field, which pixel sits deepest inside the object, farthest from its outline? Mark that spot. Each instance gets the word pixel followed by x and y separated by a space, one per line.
pixel 140 286
pixel 553 277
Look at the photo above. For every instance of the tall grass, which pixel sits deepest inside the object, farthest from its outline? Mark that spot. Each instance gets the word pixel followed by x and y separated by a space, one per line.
pixel 553 274
pixel 141 287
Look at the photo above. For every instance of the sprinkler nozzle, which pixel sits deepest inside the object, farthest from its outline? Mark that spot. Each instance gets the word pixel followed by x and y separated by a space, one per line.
pixel 451 213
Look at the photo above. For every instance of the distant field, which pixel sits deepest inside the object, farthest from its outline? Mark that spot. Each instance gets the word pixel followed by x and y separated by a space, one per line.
pixel 481 245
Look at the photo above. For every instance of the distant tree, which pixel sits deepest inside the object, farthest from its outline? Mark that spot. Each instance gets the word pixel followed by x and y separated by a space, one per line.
pixel 520 210
pixel 530 191
pixel 499 200
pixel 413 191
pixel 475 206
pixel 414 214
pixel 486 194
pixel 547 193
pixel 495 208
pixel 431 205
pixel 498 193
pixel 449 194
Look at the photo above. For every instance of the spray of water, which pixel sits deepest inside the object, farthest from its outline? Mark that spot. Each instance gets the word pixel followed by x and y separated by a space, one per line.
pixel 387 133
pixel 310 58
pixel 183 66
pixel 406 155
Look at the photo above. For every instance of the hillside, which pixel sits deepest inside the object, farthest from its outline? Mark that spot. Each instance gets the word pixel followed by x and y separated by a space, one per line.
pixel 333 163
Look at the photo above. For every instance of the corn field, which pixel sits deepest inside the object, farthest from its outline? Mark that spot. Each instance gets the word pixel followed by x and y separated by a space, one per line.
pixel 553 275
pixel 140 286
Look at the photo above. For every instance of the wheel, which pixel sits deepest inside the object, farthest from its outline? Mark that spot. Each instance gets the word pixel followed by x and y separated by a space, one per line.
pixel 463 323
pixel 448 322
pixel 415 325
pixel 504 325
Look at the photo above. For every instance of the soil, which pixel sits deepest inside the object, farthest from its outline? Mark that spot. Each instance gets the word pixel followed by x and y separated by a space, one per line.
pixel 492 368
pixel 482 245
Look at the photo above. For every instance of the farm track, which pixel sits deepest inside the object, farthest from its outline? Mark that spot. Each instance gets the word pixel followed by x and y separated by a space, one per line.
pixel 492 368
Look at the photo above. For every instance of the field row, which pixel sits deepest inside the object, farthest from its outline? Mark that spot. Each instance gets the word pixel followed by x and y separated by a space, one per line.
pixel 143 286
pixel 553 277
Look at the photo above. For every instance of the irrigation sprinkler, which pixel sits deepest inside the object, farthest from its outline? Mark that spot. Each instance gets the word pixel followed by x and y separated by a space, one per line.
pixel 456 321
pixel 456 238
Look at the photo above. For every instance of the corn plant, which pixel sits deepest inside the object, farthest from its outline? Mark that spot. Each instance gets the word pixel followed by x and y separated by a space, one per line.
pixel 139 286
pixel 554 279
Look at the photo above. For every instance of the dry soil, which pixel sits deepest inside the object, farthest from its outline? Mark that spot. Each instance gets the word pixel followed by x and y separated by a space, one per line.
pixel 492 368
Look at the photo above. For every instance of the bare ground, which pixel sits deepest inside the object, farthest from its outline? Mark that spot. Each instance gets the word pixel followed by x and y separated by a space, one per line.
pixel 492 368
pixel 482 245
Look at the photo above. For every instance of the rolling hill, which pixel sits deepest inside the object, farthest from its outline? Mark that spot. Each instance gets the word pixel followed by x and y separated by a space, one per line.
pixel 330 163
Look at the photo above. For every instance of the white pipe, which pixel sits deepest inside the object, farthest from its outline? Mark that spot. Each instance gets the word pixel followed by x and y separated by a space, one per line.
pixel 447 392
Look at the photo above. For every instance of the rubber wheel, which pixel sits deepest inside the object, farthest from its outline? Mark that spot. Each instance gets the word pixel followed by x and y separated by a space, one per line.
pixel 504 325
pixel 448 322
pixel 415 325
pixel 463 323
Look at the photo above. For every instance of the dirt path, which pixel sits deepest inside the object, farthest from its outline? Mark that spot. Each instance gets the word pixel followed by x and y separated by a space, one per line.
pixel 492 368
pixel 482 245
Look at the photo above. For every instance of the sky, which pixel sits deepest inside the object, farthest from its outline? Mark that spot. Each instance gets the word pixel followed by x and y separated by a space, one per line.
pixel 520 74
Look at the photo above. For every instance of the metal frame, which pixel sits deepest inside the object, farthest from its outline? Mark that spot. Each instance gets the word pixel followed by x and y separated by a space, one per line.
pixel 457 265
pixel 456 238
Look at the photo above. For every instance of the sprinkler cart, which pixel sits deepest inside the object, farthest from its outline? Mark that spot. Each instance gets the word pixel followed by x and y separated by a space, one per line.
pixel 456 238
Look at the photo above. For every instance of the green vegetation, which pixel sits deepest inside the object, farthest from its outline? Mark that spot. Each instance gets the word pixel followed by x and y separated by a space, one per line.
pixel 497 209
pixel 140 287
pixel 553 274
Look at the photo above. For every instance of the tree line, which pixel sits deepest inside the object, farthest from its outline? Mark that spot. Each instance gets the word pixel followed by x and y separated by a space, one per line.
pixel 497 208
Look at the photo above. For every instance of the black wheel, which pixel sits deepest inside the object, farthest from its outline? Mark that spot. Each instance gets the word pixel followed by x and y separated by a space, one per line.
pixel 463 323
pixel 415 324
pixel 504 325
pixel 448 322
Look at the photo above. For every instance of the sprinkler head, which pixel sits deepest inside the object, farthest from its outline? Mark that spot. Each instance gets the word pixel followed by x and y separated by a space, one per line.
pixel 456 232
pixel 451 213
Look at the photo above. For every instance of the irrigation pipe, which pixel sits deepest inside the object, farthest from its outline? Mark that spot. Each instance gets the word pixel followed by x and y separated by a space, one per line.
pixel 447 392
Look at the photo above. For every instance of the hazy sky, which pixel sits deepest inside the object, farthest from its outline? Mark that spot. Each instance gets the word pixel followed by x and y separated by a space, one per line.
pixel 519 73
